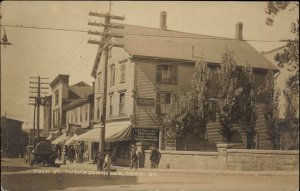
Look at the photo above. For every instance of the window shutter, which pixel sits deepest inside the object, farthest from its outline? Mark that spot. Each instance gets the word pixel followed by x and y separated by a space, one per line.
pixel 174 74
pixel 158 73
pixel 157 103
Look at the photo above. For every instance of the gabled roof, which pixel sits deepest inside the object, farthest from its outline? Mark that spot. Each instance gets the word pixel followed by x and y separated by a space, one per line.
pixel 144 42
pixel 82 84
pixel 80 91
pixel 58 78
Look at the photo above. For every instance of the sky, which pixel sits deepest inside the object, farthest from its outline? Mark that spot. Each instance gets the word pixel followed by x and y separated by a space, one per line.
pixel 48 53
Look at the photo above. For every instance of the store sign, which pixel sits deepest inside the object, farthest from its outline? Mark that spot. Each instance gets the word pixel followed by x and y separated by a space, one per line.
pixel 146 102
pixel 143 134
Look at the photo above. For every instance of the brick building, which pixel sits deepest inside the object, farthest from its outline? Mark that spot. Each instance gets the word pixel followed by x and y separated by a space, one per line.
pixel 12 143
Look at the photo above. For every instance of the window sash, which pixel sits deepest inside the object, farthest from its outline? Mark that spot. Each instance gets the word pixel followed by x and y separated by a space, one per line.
pixel 164 102
pixel 110 105
pixel 166 73
pixel 112 76
pixel 122 73
pixel 122 103
pixel 56 97
pixel 99 82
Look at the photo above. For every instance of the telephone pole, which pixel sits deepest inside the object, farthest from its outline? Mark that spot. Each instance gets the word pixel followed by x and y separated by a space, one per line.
pixel 35 91
pixel 105 45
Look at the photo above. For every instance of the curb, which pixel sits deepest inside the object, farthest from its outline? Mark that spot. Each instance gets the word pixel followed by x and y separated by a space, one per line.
pixel 198 171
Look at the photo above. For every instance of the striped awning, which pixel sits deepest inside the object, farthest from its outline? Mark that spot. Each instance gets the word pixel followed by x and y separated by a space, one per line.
pixel 72 140
pixel 124 135
pixel 61 139
pixel 115 131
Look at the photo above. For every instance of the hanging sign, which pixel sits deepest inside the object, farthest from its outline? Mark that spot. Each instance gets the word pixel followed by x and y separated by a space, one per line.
pixel 145 134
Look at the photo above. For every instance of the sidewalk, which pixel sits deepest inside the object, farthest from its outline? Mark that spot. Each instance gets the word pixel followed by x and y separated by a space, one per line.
pixel 92 167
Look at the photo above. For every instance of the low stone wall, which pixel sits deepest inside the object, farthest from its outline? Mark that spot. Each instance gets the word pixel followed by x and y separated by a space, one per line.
pixel 228 159
pixel 262 160
pixel 185 159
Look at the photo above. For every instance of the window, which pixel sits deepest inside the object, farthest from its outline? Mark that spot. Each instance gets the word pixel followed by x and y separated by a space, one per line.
pixel 76 115
pixel 98 108
pixel 56 97
pixel 163 102
pixel 112 75
pixel 80 113
pixel 122 103
pixel 122 73
pixel 110 105
pixel 72 115
pixel 86 112
pixel 166 74
pixel 99 81
pixel 54 122
pixel 58 116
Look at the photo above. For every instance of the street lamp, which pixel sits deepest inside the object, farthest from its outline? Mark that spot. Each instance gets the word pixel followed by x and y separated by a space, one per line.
pixel 4 39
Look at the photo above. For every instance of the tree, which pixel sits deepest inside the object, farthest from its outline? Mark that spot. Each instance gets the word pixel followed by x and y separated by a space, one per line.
pixel 290 55
pixel 248 109
pixel 292 116
pixel 228 92
pixel 190 112
pixel 270 98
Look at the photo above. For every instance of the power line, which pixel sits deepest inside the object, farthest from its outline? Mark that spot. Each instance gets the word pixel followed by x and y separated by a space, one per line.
pixel 139 34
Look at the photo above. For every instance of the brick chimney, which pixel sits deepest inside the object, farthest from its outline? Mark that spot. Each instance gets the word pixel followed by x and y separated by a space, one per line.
pixel 163 20
pixel 239 31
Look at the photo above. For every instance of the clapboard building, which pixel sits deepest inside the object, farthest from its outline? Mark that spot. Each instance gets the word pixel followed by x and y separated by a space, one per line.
pixel 146 75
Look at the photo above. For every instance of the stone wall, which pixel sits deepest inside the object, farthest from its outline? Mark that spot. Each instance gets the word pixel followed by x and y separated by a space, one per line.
pixel 229 159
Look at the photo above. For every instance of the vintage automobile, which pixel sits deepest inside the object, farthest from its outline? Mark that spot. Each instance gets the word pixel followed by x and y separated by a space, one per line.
pixel 42 154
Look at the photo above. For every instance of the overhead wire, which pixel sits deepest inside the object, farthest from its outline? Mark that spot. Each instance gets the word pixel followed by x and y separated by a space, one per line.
pixel 138 34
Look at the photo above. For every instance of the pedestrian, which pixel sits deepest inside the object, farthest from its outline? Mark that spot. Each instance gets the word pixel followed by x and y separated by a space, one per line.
pixel 154 157
pixel 71 154
pixel 65 154
pixel 134 156
pixel 107 162
pixel 58 150
pixel 100 161
pixel 86 158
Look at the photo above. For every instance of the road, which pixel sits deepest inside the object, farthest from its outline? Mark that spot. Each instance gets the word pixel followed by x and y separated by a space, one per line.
pixel 15 175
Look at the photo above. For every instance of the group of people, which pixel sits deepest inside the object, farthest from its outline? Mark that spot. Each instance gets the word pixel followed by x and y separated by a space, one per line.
pixel 135 157
pixel 69 153
pixel 103 161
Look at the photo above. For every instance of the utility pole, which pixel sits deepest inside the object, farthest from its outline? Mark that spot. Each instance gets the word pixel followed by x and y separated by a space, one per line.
pixel 105 45
pixel 36 96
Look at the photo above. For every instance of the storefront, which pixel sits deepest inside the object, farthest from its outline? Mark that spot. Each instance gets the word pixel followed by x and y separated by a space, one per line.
pixel 91 138
pixel 119 136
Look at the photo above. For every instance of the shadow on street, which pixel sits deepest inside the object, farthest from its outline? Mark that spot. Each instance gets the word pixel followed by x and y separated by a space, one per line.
pixel 35 181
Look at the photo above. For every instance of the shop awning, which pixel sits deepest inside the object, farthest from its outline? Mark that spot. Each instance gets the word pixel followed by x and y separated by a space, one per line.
pixel 61 139
pixel 112 129
pixel 123 135
pixel 49 137
pixel 72 140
